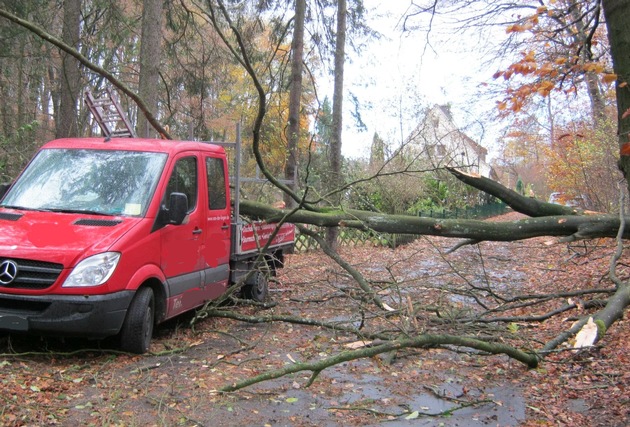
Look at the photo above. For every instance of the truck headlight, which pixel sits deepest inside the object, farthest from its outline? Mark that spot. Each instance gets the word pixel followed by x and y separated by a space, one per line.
pixel 93 271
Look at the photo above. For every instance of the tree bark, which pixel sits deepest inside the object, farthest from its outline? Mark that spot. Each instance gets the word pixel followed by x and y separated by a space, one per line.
pixel 295 96
pixel 67 124
pixel 337 114
pixel 617 13
pixel 150 55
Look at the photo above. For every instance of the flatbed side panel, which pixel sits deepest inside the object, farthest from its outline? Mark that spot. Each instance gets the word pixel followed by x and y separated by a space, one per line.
pixel 250 237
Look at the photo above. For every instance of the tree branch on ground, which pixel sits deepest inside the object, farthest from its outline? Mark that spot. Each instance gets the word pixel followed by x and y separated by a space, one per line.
pixel 421 341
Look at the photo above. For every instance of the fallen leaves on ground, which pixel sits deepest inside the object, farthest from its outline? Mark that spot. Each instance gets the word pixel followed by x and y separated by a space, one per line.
pixel 77 382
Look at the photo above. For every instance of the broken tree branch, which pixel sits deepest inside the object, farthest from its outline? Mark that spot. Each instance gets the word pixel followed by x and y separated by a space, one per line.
pixel 421 341
pixel 356 275
pixel 525 205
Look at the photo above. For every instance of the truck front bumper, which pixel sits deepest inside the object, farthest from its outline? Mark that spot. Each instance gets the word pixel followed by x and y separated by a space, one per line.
pixel 91 316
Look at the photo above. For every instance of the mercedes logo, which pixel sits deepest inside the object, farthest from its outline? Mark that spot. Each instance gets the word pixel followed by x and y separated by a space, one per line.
pixel 8 271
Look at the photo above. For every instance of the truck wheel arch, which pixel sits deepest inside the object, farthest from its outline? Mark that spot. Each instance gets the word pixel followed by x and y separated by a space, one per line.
pixel 152 276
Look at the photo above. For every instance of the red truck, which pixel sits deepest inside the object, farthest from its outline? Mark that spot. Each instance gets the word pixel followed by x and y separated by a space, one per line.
pixel 102 237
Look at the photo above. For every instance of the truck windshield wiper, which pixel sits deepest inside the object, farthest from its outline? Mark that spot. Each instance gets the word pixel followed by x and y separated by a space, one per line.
pixel 80 211
pixel 23 208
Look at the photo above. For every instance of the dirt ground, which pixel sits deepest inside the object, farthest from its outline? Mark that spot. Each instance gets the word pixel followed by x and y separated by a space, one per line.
pixel 77 382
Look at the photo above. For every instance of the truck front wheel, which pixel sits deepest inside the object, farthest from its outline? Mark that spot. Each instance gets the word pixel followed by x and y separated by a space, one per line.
pixel 137 330
pixel 257 286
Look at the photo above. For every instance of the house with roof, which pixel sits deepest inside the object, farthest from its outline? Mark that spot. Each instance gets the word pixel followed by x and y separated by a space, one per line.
pixel 438 140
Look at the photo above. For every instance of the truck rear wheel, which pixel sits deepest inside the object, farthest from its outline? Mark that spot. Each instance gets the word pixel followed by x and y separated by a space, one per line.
pixel 257 286
pixel 137 330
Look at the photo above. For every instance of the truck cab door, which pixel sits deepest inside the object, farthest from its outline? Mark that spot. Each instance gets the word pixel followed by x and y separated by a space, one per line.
pixel 216 241
pixel 181 258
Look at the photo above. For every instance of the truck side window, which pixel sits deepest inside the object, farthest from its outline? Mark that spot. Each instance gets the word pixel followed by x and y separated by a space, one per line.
pixel 216 183
pixel 184 180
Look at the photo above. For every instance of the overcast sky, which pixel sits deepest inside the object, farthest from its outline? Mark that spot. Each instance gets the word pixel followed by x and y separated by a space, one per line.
pixel 396 77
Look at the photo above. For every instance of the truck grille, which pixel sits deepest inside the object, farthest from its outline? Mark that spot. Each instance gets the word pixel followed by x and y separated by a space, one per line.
pixel 30 274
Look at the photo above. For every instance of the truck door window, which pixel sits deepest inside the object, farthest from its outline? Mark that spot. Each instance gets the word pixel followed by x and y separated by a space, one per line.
pixel 184 180
pixel 216 183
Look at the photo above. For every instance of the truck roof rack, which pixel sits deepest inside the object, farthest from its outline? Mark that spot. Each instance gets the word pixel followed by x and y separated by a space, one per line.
pixel 109 115
pixel 236 178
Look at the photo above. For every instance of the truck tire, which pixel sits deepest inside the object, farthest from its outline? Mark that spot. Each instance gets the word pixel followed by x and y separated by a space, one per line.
pixel 257 286
pixel 137 329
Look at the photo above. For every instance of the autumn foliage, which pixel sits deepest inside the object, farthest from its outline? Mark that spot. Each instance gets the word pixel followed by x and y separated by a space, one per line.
pixel 562 49
pixel 584 164
pixel 559 100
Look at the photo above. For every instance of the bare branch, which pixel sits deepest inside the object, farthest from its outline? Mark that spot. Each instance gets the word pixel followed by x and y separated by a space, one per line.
pixel 421 341
pixel 88 64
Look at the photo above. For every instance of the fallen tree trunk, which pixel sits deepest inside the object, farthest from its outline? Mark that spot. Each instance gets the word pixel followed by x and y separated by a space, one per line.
pixel 548 219
pixel 604 319
pixel 572 227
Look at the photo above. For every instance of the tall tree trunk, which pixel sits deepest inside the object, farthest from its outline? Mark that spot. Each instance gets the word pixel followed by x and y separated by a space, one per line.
pixel 21 92
pixel 598 106
pixel 150 55
pixel 295 95
pixel 596 97
pixel 617 13
pixel 335 140
pixel 70 84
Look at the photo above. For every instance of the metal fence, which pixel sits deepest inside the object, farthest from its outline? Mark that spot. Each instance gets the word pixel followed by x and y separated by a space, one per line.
pixel 474 212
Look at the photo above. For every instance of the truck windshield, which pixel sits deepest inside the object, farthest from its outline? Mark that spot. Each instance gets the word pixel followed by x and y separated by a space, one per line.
pixel 92 181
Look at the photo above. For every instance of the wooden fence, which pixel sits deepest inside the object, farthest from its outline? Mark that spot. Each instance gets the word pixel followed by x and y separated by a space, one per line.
pixel 354 237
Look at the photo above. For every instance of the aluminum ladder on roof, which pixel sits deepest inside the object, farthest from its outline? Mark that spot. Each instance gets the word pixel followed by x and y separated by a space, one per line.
pixel 109 115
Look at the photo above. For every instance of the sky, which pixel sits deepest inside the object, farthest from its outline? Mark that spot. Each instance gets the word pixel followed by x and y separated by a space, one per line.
pixel 397 76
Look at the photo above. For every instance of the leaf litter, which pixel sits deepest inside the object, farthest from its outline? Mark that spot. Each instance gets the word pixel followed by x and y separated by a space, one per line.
pixel 78 382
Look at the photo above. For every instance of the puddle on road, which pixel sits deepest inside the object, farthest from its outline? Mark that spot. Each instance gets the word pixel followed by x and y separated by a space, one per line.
pixel 346 392
pixel 507 408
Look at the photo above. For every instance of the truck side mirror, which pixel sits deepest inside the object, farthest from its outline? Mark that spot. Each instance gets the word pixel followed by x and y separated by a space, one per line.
pixel 177 208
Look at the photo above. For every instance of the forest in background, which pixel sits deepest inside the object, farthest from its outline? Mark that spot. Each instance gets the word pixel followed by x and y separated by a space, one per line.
pixel 555 99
